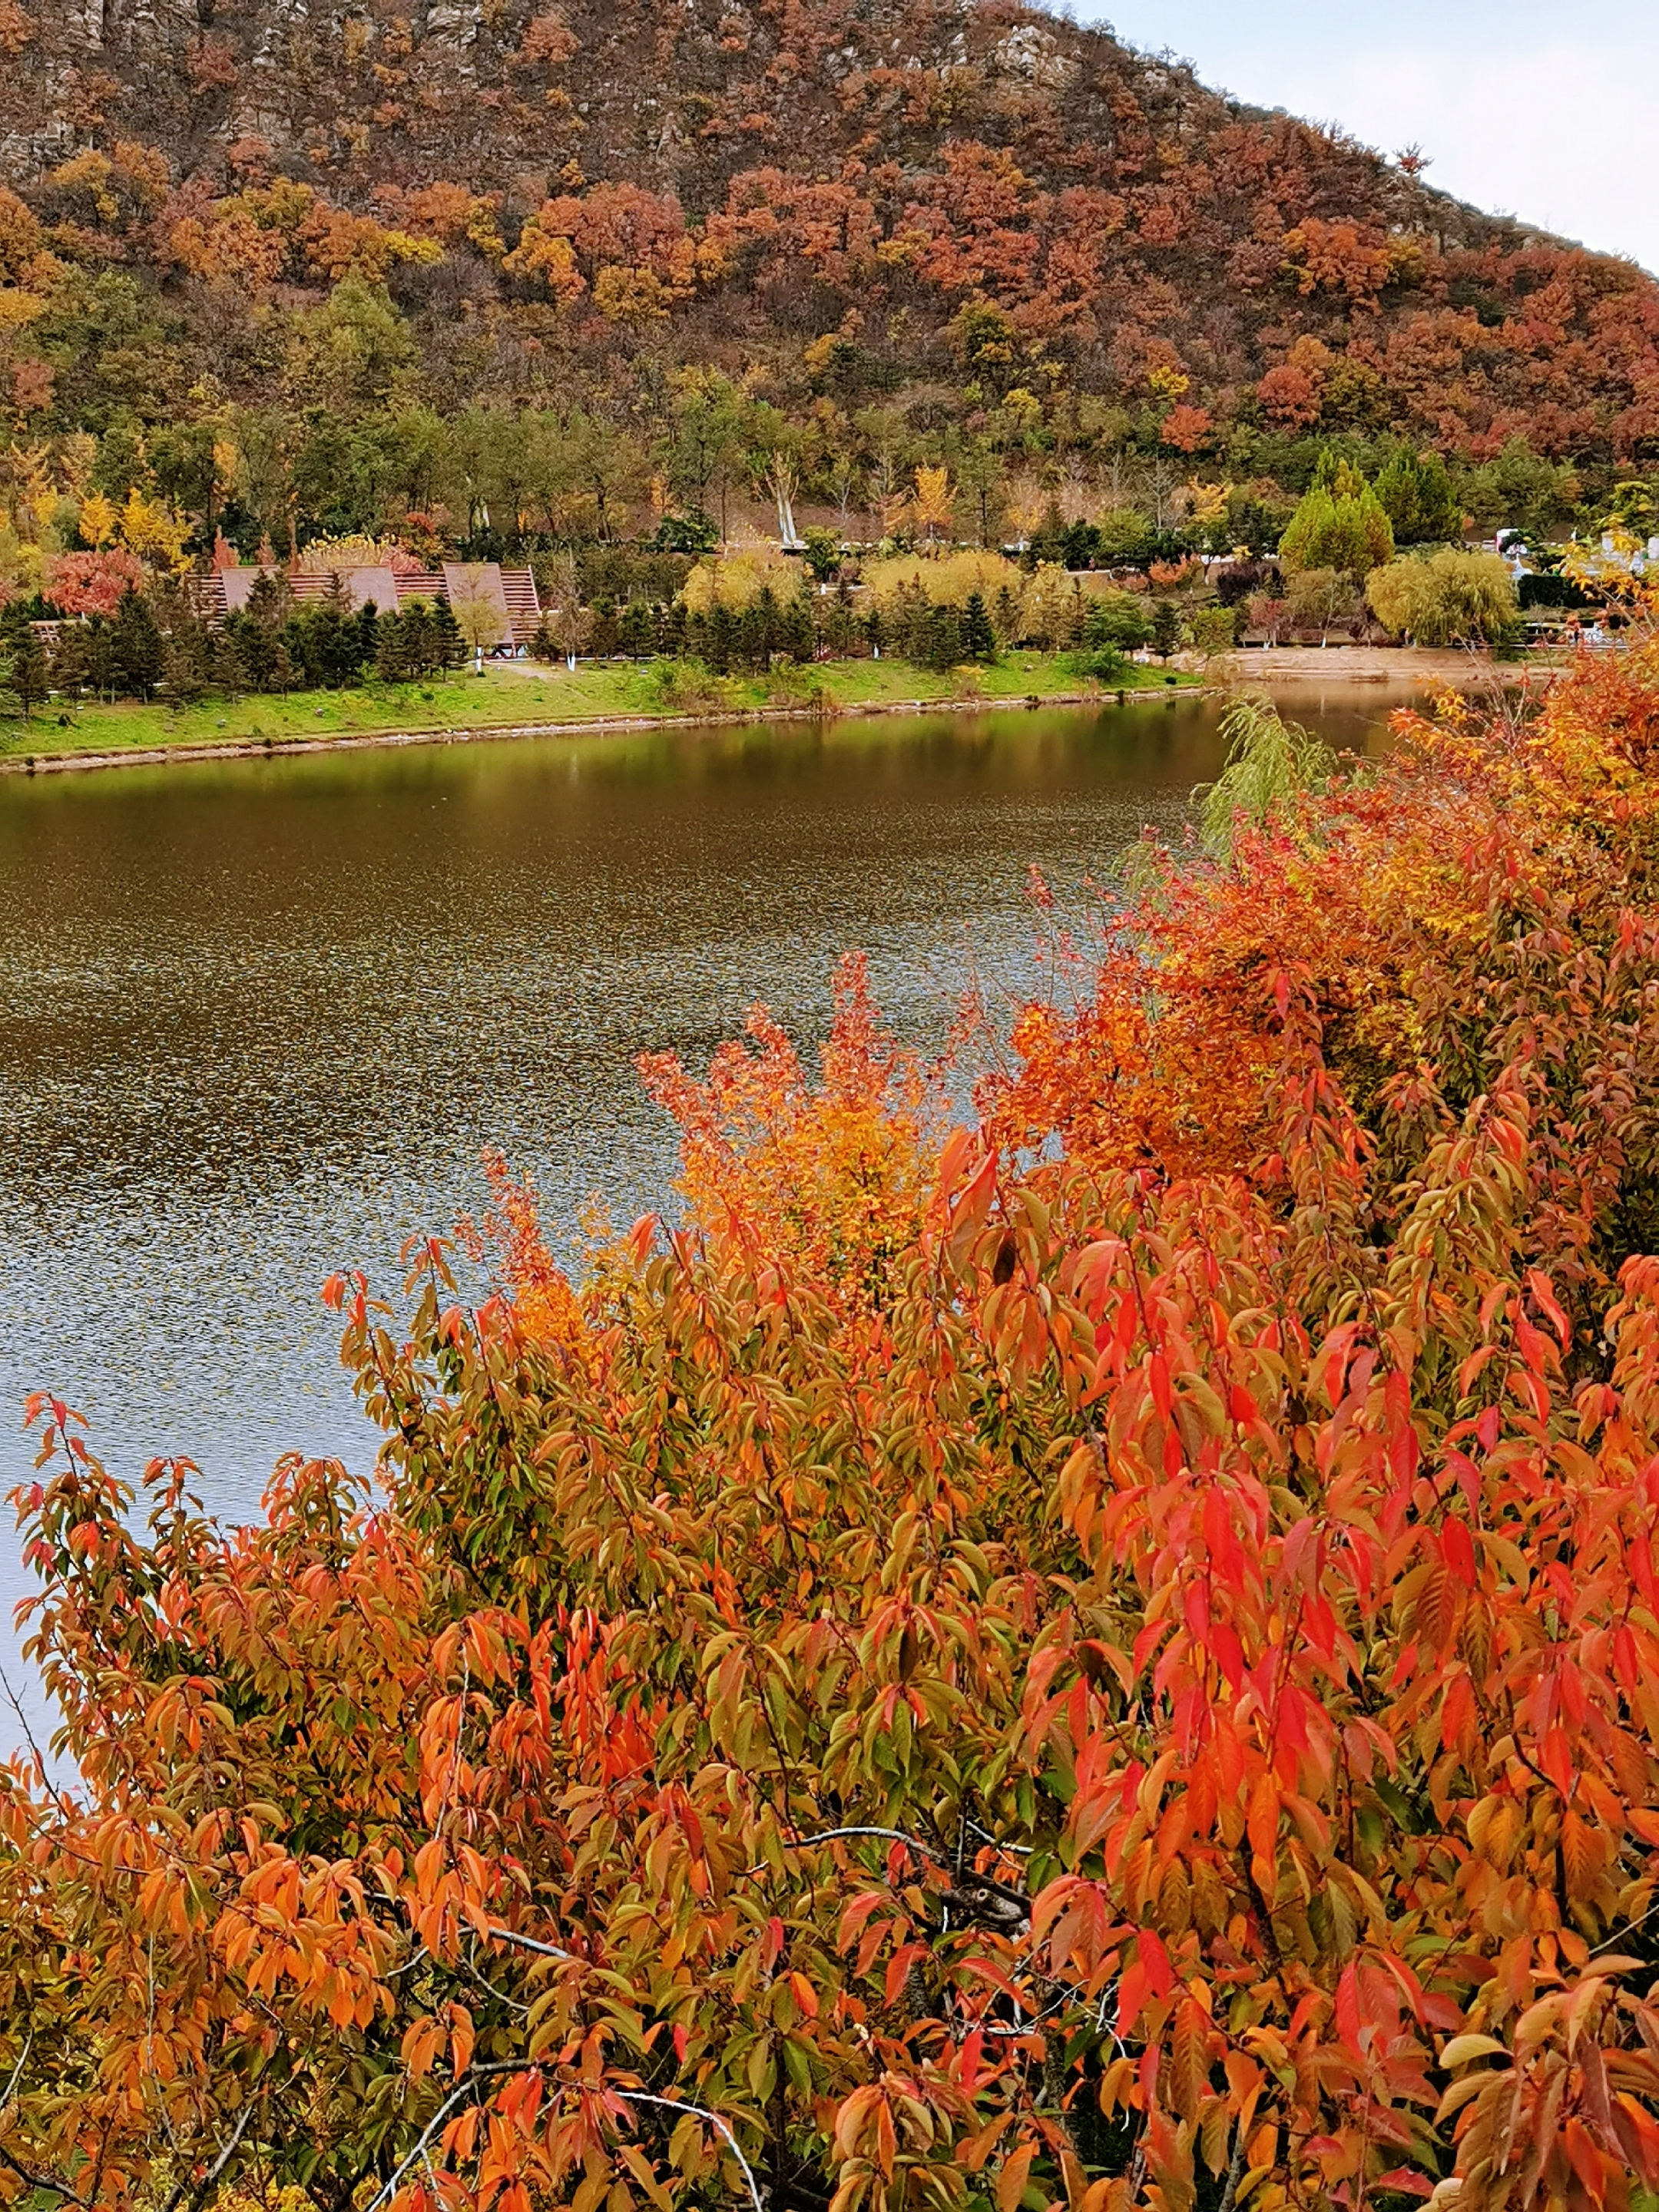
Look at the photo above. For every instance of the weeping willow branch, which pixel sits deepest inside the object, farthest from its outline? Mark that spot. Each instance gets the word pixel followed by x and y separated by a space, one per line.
pixel 1269 761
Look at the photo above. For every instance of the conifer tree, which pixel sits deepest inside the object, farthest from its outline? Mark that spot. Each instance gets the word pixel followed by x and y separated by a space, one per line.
pixel 393 658
pixel 139 650
pixel 1338 527
pixel 71 660
pixel 448 646
pixel 1416 494
pixel 11 705
pixel 636 632
pixel 979 641
pixel 31 677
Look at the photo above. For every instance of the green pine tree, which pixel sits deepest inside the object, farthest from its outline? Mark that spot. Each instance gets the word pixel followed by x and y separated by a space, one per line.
pixel 978 639
pixel 1339 529
pixel 11 706
pixel 418 648
pixel 391 647
pixel 140 652
pixel 939 640
pixel 71 660
pixel 31 673
pixel 448 646
pixel 1416 493
pixel 636 632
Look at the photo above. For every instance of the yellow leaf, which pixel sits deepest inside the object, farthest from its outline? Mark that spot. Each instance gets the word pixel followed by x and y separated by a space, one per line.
pixel 1463 2048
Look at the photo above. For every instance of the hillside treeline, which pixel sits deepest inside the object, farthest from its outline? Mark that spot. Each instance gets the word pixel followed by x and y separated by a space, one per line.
pixel 570 272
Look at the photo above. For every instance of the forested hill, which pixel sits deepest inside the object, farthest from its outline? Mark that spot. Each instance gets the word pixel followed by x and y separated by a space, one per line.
pixel 979 215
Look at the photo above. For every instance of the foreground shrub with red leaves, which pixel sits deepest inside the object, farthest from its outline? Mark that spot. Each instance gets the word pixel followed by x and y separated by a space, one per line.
pixel 1109 1658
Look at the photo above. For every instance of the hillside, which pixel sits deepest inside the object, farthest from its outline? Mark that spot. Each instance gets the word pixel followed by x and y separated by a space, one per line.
pixel 1028 252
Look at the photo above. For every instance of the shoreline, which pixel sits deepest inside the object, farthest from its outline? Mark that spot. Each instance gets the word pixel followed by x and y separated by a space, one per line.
pixel 1288 668
pixel 600 726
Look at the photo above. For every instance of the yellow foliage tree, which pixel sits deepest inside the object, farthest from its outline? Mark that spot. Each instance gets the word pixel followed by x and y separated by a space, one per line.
pixel 738 581
pixel 544 258
pixel 1206 502
pixel 630 296
pixel 950 581
pixel 1052 606
pixel 932 506
pixel 155 534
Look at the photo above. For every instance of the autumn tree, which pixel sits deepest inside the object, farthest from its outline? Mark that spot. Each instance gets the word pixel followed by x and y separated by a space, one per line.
pixel 93 583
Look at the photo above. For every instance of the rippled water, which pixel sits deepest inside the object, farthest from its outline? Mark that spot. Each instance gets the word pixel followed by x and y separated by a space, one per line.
pixel 260 1017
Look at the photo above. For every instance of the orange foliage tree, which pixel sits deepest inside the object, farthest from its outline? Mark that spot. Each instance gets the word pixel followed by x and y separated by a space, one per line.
pixel 1103 1657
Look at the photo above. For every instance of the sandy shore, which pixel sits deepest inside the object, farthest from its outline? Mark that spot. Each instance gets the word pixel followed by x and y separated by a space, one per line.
pixel 1412 668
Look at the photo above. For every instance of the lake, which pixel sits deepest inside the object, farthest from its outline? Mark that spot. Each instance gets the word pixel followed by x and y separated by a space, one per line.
pixel 260 1017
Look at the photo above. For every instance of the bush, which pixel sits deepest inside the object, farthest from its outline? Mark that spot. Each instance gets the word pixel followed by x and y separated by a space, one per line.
pixel 1214 630
pixel 686 687
pixel 1238 582
pixel 1120 621
pixel 1535 590
pixel 1097 664
pixel 695 532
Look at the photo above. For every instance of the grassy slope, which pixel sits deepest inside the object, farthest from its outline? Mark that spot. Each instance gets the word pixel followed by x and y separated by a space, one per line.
pixel 505 698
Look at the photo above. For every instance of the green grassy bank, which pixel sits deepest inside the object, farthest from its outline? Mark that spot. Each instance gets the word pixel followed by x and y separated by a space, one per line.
pixel 507 697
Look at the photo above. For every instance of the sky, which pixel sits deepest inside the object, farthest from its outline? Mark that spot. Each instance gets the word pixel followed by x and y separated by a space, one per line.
pixel 1533 108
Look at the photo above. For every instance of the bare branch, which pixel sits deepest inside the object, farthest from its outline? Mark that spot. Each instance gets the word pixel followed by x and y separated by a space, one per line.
pixel 41 2181
pixel 891 1835
pixel 197 2191
pixel 673 2105
pixel 470 1966
pixel 17 2070
pixel 1620 1934
pixel 388 2189
pixel 529 1943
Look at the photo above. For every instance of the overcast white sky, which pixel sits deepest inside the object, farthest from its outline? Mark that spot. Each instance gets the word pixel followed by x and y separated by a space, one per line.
pixel 1536 108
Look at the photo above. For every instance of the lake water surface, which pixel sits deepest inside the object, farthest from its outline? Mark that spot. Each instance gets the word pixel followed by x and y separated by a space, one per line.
pixel 260 1017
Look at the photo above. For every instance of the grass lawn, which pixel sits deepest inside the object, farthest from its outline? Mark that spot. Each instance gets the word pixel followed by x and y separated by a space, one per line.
pixel 506 696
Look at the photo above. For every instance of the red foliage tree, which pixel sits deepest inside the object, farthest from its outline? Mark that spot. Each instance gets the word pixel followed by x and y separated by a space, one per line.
pixel 93 583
